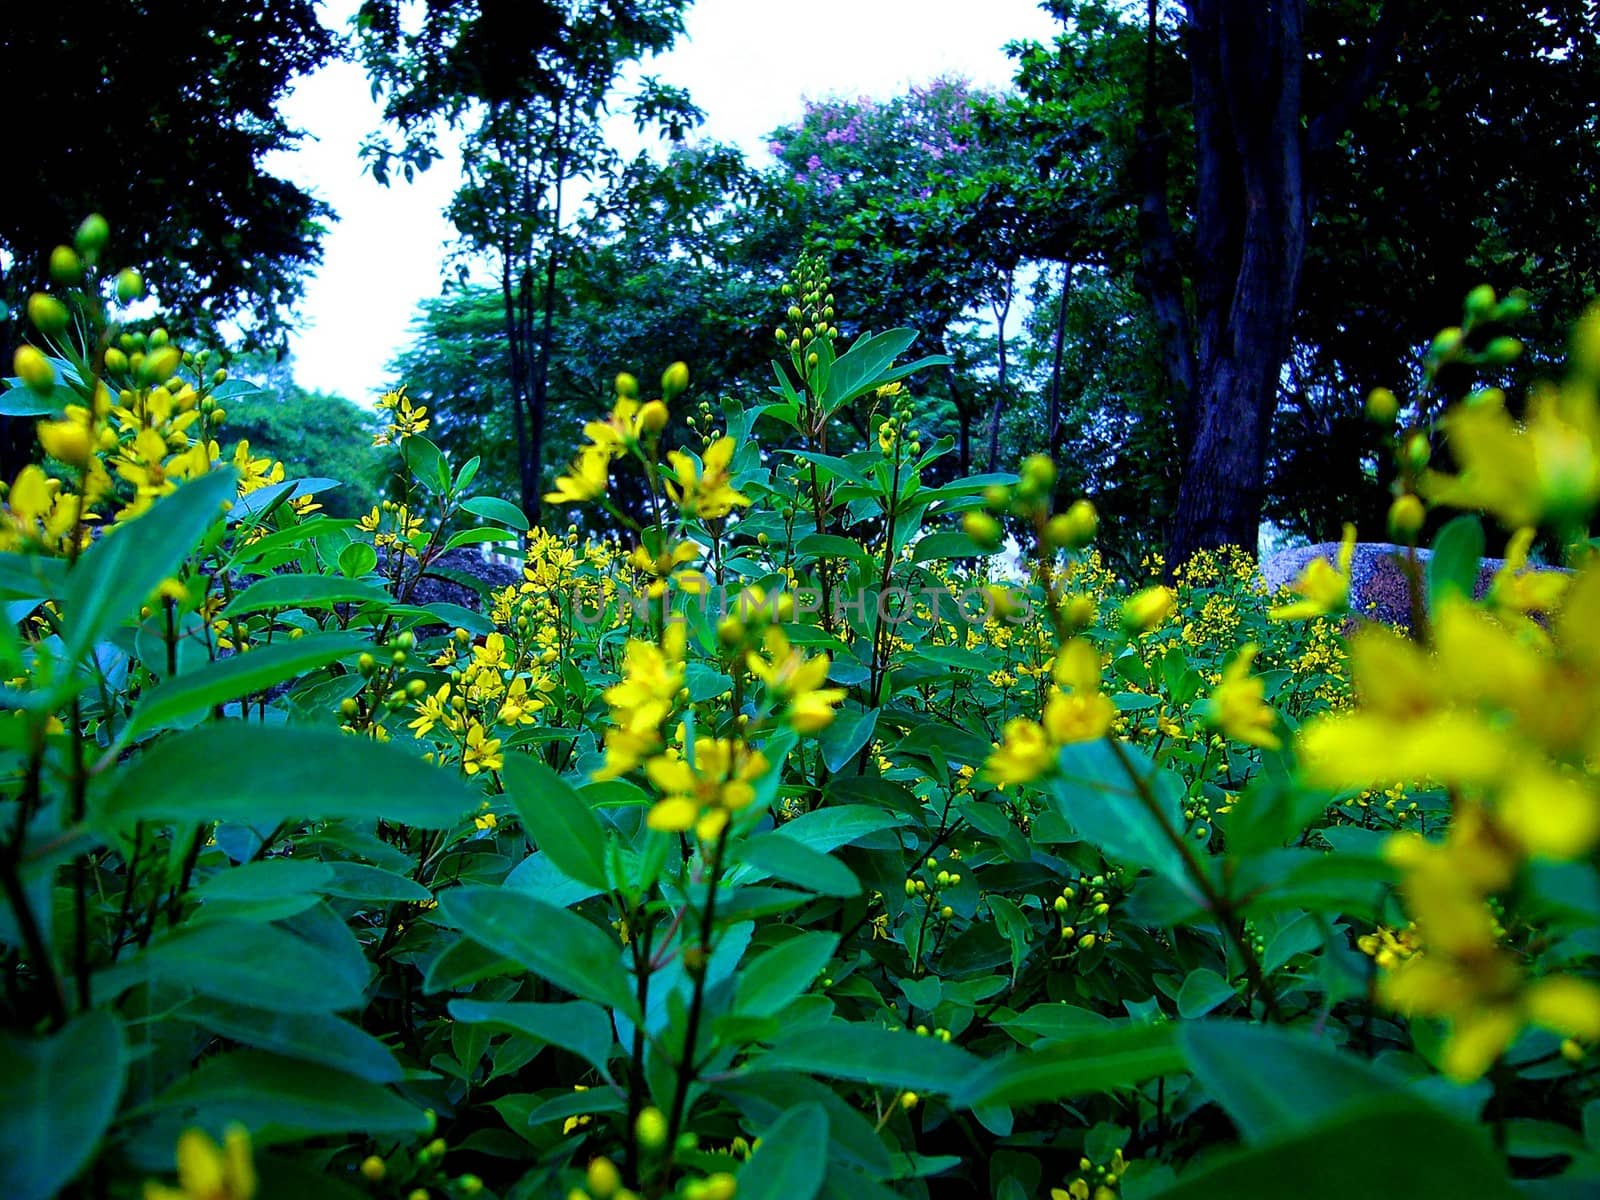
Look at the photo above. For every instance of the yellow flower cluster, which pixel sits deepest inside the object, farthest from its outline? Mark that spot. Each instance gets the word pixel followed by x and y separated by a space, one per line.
pixel 405 419
pixel 1076 710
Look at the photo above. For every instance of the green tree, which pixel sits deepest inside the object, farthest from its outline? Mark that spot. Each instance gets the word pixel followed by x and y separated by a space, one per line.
pixel 314 435
pixel 159 116
pixel 531 84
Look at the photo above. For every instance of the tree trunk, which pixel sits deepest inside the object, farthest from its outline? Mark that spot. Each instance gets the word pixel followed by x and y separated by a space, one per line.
pixel 1002 309
pixel 1250 222
pixel 1053 423
pixel 541 370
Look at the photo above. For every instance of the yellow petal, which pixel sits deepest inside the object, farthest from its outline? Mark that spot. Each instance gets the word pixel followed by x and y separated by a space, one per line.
pixel 1564 1005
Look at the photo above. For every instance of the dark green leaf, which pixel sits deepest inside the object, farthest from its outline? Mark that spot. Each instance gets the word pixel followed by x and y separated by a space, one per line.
pixel 230 678
pixel 791 1161
pixel 558 819
pixel 550 942
pixel 302 591
pixel 260 775
pixel 1453 565
pixel 579 1027
pixel 789 860
pixel 58 1094
pixel 260 1090
pixel 1118 1057
pixel 765 986
pixel 117 574
pixel 492 508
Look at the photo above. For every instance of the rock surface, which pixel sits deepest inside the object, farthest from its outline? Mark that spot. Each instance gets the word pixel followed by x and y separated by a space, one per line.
pixel 1379 586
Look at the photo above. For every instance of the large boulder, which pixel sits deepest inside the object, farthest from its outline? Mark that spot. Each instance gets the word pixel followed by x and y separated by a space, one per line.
pixel 1380 587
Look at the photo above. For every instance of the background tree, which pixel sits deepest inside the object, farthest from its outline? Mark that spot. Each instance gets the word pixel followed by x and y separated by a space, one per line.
pixel 531 84
pixel 160 119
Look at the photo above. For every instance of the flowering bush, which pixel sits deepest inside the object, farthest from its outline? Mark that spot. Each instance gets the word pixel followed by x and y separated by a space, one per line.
pixel 786 842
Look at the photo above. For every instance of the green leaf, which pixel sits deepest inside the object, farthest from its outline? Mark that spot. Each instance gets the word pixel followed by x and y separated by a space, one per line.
pixel 826 829
pixel 1095 793
pixel 259 775
pixel 264 880
pixel 1276 1082
pixel 492 508
pixel 358 881
pixel 873 1055
pixel 58 1094
pixel 426 463
pixel 263 1090
pixel 792 1160
pixel 1453 565
pixel 578 1027
pixel 120 570
pixel 845 735
pixel 230 678
pixel 1202 991
pixel 859 368
pixel 551 942
pixel 767 984
pixel 310 1037
pixel 946 544
pixel 1119 1056
pixel 1437 1159
pixel 558 819
pixel 789 860
pixel 302 591
pixel 228 960
pixel 356 559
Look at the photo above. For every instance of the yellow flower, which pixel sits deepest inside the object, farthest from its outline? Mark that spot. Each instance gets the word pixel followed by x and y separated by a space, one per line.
pixel 405 419
pixel 585 480
pixel 704 787
pixel 791 676
pixel 1149 608
pixel 1025 753
pixel 1239 707
pixel 518 707
pixel 207 1171
pixel 1515 590
pixel 1323 587
pixel 482 753
pixel 652 676
pixel 435 710
pixel 705 489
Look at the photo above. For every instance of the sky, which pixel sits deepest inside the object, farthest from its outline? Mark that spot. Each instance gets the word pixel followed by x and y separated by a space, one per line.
pixel 749 64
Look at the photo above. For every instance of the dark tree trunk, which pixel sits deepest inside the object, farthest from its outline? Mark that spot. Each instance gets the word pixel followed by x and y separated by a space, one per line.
pixel 1251 216
pixel 1002 309
pixel 541 370
pixel 1053 423
pixel 1159 276
pixel 1253 141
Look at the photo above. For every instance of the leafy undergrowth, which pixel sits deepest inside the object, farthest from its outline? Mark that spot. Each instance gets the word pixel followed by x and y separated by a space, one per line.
pixel 778 843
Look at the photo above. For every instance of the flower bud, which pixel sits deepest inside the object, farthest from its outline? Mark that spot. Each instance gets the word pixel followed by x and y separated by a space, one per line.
pixel 34 369
pixel 627 386
pixel 1074 528
pixel 92 236
pixel 1406 516
pixel 65 265
pixel 49 315
pixel 69 441
pixel 651 1128
pixel 653 417
pixel 1502 351
pixel 602 1179
pixel 1480 304
pixel 674 380
pixel 1147 609
pixel 159 364
pixel 1416 452
pixel 130 285
pixel 116 360
pixel 373 1168
pixel 1382 406
pixel 1038 475
pixel 982 529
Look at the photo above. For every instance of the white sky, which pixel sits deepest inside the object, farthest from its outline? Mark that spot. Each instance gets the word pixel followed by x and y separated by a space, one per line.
pixel 747 63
